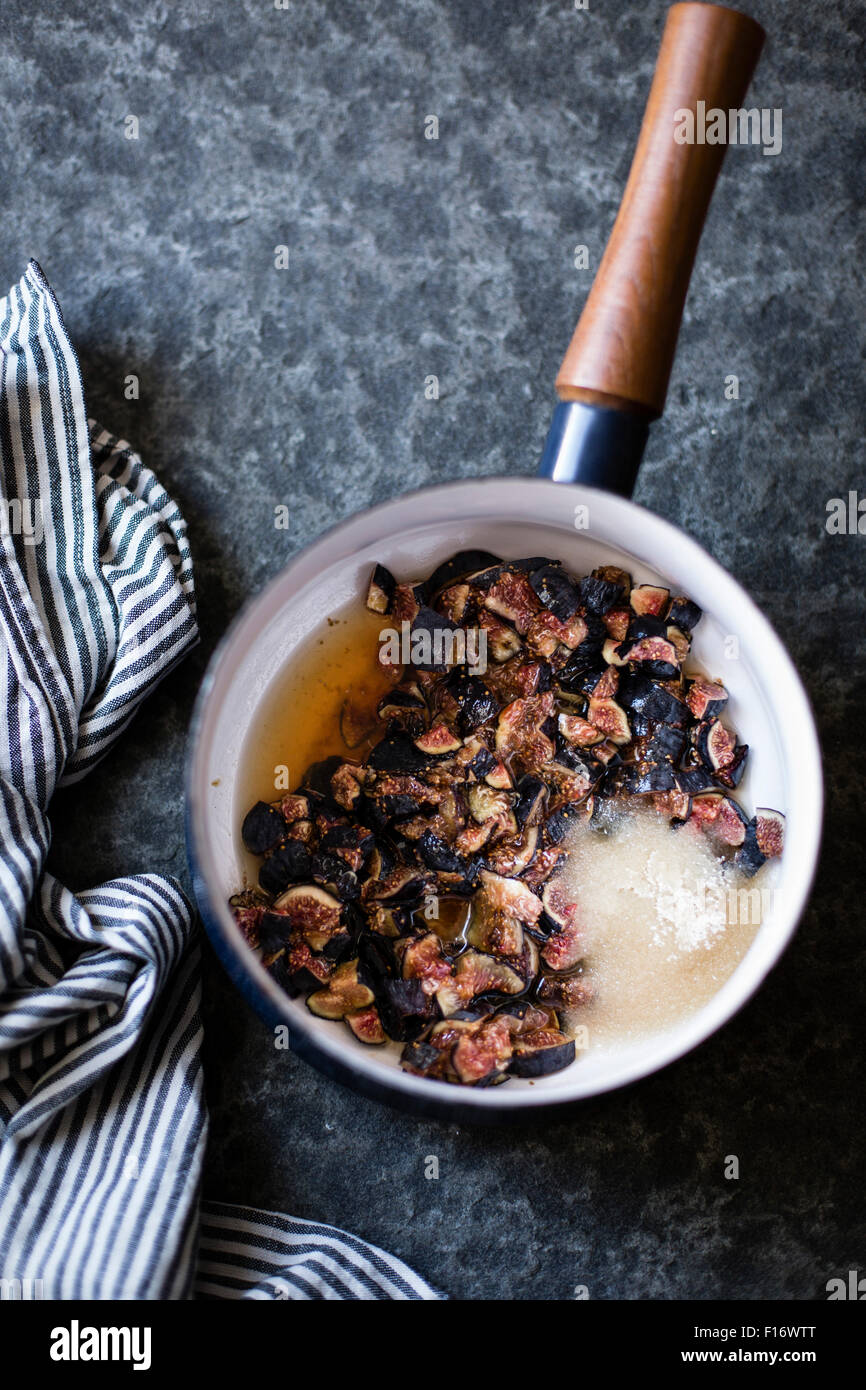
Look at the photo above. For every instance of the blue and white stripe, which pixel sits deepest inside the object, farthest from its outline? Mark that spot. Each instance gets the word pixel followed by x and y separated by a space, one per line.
pixel 102 1116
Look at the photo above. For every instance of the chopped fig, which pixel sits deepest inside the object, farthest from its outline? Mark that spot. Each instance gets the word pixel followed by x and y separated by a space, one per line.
pixel 705 809
pixel 519 733
pixel 482 1051
pixel 248 912
pixel 351 843
pixel 598 594
pixel 558 907
pixel 749 858
pixel 485 803
pixel 571 783
pixel 510 895
pixel 769 831
pixel 482 763
pixel 546 633
pixel 684 614
pixel 541 1053
pixel 454 602
pixel 502 641
pixel 474 974
pixel 692 781
pixel 516 679
pixel 459 566
pixel 380 594
pixel 606 753
pixel 290 862
pixel 605 687
pixel 715 744
pixel 680 643
pixel 404 884
pixel 317 777
pixel 542 866
pixel 495 932
pixel 532 795
pixel 763 840
pixel 610 718
pixel 423 959
pixel 432 641
pixel 404 1008
pixel 263 828
pixel 639 695
pixel 731 775
pixel 646 777
pixel 438 855
pixel 386 921
pixel 473 836
pixel 730 824
pixel 556 590
pixel 345 993
pixel 294 808
pixel 666 742
pixel 579 731
pixel 614 575
pixel 512 856
pixel 513 598
pixel 301 830
pixel 297 969
pixel 563 948
pixel 610 651
pixel 616 623
pixel 404 708
pixel 345 786
pixel 566 991
pixel 311 911
pixel 438 741
pixel 476 703
pixel 367 1026
pixel 334 874
pixel 676 805
pixel 398 753
pixel 499 778
pixel 405 605
pixel 655 655
pixel 649 598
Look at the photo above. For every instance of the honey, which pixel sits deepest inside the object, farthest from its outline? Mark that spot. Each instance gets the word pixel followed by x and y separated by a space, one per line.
pixel 326 694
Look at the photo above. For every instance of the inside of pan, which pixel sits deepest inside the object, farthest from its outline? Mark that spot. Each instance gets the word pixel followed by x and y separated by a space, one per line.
pixel 721 648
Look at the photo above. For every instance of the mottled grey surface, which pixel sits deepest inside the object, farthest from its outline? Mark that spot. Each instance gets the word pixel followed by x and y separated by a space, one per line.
pixel 305 127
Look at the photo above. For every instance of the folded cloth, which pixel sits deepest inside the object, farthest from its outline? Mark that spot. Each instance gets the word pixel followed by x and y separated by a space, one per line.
pixel 102 1116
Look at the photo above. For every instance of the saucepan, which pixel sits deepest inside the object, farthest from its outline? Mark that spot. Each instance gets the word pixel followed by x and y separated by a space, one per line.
pixel 611 386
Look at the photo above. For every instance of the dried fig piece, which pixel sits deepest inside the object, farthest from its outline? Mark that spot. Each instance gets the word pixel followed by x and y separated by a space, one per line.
pixel 345 993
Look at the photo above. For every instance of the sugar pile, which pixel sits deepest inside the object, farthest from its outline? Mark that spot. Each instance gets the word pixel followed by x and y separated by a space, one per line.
pixel 658 909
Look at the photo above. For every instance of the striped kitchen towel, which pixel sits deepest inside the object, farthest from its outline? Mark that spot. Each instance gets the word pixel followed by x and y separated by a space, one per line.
pixel 102 1116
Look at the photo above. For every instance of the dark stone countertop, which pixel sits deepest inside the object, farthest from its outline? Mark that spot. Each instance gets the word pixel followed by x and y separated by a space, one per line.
pixel 305 127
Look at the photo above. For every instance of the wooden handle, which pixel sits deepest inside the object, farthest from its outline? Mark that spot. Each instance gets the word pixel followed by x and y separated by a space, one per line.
pixel 623 347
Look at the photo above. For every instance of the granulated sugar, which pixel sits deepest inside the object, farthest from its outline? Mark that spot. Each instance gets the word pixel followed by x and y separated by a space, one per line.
pixel 665 921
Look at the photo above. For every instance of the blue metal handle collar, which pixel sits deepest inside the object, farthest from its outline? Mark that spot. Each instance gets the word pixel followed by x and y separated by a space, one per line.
pixel 594 445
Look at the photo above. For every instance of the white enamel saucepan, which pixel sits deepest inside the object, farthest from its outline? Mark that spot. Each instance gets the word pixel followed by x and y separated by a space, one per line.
pixel 611 385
